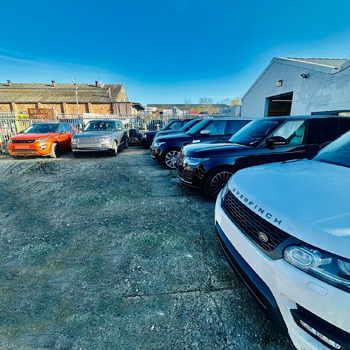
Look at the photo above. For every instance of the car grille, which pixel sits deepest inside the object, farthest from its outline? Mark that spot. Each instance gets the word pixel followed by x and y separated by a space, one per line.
pixel 22 141
pixel 185 174
pixel 88 139
pixel 180 158
pixel 252 224
pixel 24 151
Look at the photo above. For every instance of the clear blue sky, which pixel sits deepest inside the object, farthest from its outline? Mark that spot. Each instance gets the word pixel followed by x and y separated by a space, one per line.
pixel 166 51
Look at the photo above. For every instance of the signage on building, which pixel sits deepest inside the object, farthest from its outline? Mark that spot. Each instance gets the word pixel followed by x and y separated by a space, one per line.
pixel 45 113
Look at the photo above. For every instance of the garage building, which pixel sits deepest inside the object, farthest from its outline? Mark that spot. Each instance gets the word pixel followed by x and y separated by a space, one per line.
pixel 300 86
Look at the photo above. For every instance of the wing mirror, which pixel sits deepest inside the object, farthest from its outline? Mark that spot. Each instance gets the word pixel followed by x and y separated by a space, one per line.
pixel 275 140
pixel 119 129
pixel 205 132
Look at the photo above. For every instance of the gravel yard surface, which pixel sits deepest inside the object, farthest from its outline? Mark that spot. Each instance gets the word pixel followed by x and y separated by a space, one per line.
pixel 112 253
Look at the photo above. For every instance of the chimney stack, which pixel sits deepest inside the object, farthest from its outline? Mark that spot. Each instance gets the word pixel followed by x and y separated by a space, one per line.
pixel 53 82
pixel 96 83
pixel 9 82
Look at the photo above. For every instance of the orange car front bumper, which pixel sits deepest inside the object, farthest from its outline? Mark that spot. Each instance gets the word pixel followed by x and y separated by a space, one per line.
pixel 29 149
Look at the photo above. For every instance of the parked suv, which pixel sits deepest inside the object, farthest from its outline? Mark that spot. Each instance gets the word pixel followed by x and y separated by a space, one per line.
pixel 265 140
pixel 187 126
pixel 286 230
pixel 42 139
pixel 166 148
pixel 148 136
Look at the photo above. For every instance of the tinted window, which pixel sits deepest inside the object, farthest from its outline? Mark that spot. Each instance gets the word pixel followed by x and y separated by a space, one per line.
pixel 68 127
pixel 175 126
pixel 293 131
pixel 216 127
pixel 344 125
pixel 62 128
pixel 198 127
pixel 322 130
pixel 190 125
pixel 253 133
pixel 100 126
pixel 234 126
pixel 41 129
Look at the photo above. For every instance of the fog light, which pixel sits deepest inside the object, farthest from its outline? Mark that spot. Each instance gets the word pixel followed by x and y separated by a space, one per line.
pixel 43 147
pixel 321 336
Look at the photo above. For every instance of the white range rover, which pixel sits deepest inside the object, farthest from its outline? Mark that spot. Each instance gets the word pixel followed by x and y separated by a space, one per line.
pixel 286 230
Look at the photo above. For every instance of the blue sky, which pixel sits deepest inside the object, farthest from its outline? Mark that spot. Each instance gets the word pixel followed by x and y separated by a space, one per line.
pixel 166 51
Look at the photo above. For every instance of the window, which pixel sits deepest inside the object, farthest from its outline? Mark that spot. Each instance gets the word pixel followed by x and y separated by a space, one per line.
pixel 62 128
pixel 292 131
pixel 216 127
pixel 323 130
pixel 68 127
pixel 234 126
pixel 175 126
pixel 344 125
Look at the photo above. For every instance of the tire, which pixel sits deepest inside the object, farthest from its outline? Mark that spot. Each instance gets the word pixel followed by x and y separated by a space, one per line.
pixel 55 150
pixel 216 181
pixel 169 158
pixel 126 143
pixel 149 143
pixel 76 154
pixel 114 150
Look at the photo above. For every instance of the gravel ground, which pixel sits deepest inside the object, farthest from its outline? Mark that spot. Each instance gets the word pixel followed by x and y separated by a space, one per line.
pixel 113 253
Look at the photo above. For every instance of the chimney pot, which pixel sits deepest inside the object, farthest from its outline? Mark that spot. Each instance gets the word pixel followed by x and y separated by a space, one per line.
pixel 53 82
pixel 96 83
pixel 9 82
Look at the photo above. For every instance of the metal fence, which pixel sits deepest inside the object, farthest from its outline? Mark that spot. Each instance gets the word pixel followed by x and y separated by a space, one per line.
pixel 12 123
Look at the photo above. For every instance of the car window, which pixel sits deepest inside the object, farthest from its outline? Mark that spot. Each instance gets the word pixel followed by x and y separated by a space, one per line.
pixel 41 128
pixel 344 126
pixel 234 126
pixel 68 127
pixel 323 130
pixel 61 128
pixel 293 131
pixel 216 127
pixel 100 126
pixel 175 125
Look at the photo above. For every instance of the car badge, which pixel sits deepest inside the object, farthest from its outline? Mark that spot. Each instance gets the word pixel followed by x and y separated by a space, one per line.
pixel 263 238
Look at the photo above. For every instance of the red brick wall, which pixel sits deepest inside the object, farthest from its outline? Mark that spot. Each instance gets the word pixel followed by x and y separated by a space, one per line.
pixel 56 106
pixel 5 107
pixel 101 108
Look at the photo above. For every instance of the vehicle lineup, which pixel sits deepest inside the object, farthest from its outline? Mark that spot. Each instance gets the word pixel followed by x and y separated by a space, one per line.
pixel 101 136
pixel 167 148
pixel 42 139
pixel 281 187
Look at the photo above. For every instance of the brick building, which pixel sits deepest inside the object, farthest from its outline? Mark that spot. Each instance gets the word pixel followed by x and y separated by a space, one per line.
pixel 92 98
pixel 300 86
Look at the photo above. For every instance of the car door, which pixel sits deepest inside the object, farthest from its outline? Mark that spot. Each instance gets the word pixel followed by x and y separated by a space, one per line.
pixel 64 136
pixel 217 129
pixel 294 132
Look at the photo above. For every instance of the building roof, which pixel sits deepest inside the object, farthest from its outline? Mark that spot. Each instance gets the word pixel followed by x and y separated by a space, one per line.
pixel 57 93
pixel 327 62
pixel 186 107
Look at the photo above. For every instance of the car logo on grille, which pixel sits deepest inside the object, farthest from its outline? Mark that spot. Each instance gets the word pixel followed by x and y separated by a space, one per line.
pixel 263 238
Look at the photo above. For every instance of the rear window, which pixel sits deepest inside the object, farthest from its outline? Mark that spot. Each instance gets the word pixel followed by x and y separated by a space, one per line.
pixel 323 130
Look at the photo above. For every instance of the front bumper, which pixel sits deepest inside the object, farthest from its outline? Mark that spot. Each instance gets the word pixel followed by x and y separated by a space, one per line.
pixel 283 290
pixel 91 147
pixel 156 153
pixel 29 149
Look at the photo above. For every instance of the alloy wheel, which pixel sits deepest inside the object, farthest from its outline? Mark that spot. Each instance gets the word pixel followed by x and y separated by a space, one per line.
pixel 218 182
pixel 170 159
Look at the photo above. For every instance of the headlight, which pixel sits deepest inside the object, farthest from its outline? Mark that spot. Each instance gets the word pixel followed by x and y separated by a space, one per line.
pixel 194 161
pixel 224 192
pixel 323 265
pixel 144 136
pixel 157 144
pixel 75 140
pixel 43 140
pixel 105 139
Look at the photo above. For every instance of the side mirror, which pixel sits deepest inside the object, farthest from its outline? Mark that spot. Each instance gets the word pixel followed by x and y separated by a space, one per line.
pixel 205 132
pixel 119 129
pixel 324 144
pixel 275 140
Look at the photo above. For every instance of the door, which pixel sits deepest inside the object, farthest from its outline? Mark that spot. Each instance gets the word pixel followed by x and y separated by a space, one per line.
pixel 64 136
pixel 294 132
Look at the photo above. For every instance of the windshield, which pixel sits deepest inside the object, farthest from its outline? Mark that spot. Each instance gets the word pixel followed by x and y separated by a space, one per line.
pixel 190 124
pixel 198 127
pixel 253 133
pixel 100 126
pixel 338 152
pixel 41 129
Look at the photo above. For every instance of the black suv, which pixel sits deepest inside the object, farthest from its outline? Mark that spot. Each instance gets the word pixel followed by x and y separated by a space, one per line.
pixel 184 129
pixel 265 140
pixel 148 136
pixel 166 148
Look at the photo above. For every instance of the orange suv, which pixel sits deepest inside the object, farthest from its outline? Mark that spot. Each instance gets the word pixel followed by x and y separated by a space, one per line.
pixel 42 139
